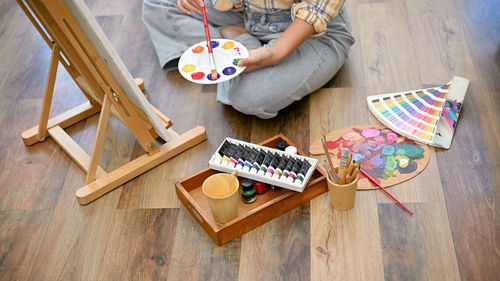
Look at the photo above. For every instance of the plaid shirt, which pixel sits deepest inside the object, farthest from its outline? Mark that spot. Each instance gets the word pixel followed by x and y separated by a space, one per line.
pixel 316 12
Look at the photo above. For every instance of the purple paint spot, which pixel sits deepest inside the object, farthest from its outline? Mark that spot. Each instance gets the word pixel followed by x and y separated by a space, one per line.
pixel 391 137
pixel 368 133
pixel 377 161
pixel 412 167
pixel 209 76
pixel 229 70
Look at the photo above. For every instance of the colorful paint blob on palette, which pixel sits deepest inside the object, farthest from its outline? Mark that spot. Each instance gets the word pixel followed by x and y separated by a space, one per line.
pixel 382 153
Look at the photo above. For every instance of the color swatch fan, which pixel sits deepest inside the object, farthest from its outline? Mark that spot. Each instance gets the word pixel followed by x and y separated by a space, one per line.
pixel 427 115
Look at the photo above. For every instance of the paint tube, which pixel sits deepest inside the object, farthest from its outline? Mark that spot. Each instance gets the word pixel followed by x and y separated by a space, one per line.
pixel 288 168
pixel 293 173
pixel 220 154
pixel 258 160
pixel 234 158
pixel 241 159
pixel 281 167
pixel 267 160
pixel 303 172
pixel 273 165
pixel 252 156
pixel 227 153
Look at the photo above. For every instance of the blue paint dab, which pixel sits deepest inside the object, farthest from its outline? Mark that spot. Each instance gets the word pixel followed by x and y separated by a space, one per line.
pixel 388 150
pixel 209 77
pixel 229 70
pixel 215 44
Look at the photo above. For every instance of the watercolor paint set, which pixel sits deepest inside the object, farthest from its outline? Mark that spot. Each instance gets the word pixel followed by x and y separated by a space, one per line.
pixel 269 165
pixel 426 115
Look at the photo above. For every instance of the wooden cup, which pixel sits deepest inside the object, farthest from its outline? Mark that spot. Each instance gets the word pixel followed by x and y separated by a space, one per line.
pixel 221 191
pixel 342 196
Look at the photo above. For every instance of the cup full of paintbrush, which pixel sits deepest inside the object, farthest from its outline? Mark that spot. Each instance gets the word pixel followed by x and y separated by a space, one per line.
pixel 342 180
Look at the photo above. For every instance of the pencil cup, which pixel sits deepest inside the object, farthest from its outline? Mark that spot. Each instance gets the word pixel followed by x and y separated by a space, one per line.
pixel 221 191
pixel 342 196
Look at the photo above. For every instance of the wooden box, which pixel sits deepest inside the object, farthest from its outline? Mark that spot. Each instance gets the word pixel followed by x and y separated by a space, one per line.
pixel 268 206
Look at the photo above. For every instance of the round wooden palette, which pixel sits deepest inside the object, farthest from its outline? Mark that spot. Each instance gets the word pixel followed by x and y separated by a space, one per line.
pixel 194 64
pixel 385 155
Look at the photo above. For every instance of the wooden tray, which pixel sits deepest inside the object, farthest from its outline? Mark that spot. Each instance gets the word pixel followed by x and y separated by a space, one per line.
pixel 268 206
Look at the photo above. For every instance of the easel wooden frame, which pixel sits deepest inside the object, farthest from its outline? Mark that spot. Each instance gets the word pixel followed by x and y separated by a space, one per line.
pixel 73 50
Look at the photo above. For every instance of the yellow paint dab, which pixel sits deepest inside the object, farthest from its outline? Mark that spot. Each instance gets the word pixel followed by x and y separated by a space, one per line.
pixel 228 45
pixel 189 68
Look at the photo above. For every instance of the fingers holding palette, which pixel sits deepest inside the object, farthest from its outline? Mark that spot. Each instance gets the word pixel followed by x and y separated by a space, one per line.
pixel 194 64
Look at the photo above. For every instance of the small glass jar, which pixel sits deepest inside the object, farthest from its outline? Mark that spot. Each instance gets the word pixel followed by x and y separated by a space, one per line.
pixel 248 192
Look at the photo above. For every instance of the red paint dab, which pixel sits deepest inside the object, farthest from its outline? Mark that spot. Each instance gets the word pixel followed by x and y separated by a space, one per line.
pixel 197 75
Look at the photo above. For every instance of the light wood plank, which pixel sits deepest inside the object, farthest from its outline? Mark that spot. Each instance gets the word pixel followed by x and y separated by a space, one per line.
pixel 344 245
pixel 99 140
pixel 385 45
pixel 73 149
pixel 63 120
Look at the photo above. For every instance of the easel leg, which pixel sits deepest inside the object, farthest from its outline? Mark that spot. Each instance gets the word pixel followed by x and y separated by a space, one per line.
pixel 99 140
pixel 49 91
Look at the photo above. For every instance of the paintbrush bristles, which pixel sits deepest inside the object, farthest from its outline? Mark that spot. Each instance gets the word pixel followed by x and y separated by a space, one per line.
pixel 214 74
pixel 344 158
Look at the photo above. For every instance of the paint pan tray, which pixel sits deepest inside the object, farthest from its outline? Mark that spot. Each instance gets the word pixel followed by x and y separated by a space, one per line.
pixel 270 205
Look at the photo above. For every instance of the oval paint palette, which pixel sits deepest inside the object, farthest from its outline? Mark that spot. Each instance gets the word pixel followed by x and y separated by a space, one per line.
pixel 194 64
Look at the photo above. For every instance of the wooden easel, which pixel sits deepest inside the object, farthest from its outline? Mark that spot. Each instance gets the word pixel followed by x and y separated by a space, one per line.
pixel 71 47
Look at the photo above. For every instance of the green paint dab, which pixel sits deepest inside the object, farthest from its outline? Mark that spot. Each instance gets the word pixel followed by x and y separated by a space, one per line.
pixel 236 61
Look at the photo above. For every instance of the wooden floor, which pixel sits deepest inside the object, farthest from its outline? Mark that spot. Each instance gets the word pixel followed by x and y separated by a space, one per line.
pixel 140 231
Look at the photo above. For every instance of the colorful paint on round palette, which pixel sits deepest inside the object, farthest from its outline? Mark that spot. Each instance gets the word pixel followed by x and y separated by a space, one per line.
pixel 387 157
pixel 382 154
pixel 194 63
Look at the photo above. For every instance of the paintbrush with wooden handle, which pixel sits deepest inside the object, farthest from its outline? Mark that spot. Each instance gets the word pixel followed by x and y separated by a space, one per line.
pixel 213 71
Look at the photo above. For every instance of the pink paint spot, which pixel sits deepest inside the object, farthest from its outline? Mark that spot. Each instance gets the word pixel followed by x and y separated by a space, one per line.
pixel 368 133
pixel 379 139
pixel 391 137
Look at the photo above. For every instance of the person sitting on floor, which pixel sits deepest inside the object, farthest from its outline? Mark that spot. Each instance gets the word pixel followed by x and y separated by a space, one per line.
pixel 295 46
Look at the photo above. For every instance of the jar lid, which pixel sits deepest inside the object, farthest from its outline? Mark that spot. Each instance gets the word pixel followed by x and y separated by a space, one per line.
pixel 291 150
pixel 247 184
pixel 281 145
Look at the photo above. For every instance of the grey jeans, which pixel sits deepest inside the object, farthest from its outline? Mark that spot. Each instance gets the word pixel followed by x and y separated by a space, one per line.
pixel 265 91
